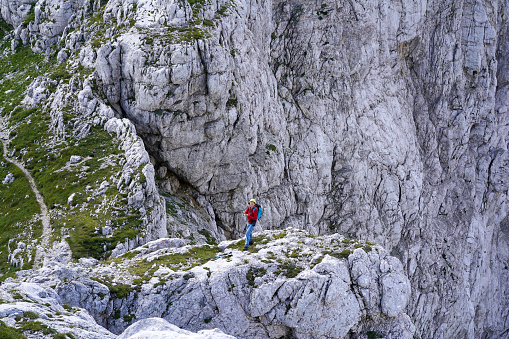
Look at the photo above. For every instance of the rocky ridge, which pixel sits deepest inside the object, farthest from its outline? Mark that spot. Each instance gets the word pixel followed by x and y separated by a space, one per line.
pixel 288 284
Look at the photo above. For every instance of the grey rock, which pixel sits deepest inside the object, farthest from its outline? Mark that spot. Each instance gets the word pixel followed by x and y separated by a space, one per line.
pixel 252 298
pixel 8 179
pixel 160 328
pixel 88 262
pixel 75 159
pixel 70 198
pixel 62 56
pixel 106 230
pixel 46 304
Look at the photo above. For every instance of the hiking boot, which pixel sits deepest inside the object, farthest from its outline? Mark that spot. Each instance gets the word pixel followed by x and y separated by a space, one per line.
pixel 245 248
pixel 250 243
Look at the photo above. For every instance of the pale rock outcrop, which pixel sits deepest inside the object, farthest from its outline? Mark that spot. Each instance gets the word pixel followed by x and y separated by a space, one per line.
pixel 14 12
pixel 143 193
pixel 291 284
pixel 37 92
pixel 16 258
pixel 41 23
pixel 8 179
pixel 19 298
pixel 23 303
pixel 153 328
pixel 265 294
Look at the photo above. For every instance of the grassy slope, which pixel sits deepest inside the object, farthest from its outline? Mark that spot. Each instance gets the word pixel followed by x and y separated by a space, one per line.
pixel 46 157
pixel 18 206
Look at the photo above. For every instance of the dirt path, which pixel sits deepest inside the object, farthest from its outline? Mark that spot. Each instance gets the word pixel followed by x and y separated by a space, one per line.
pixel 46 229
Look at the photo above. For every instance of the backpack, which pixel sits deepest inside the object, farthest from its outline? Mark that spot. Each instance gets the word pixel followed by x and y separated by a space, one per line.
pixel 259 211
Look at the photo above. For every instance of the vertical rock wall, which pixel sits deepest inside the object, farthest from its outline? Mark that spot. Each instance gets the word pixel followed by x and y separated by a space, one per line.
pixel 386 121
pixel 385 126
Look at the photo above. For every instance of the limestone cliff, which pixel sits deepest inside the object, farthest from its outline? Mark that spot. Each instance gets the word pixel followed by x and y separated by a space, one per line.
pixel 382 121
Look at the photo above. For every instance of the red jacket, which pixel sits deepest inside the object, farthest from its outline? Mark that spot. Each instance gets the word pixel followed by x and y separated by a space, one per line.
pixel 252 214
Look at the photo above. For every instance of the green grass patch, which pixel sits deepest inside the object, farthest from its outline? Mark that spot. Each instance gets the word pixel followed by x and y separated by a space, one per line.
pixel 289 269
pixel 340 255
pixel 194 257
pixel 30 315
pixel 85 241
pixel 279 236
pixel 37 326
pixel 126 256
pixel 7 332
pixel 117 289
pixel 259 239
pixel 97 18
pixel 210 240
pixel 192 33
pixel 196 2
pixel 222 10
pixel 61 73
pixel 18 206
pixel 17 71
pixel 270 148
pixel 56 187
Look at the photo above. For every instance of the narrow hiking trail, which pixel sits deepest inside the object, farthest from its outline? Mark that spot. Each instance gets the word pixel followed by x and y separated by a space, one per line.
pixel 46 229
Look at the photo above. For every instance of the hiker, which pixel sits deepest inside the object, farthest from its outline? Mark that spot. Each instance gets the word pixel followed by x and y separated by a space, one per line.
pixel 252 215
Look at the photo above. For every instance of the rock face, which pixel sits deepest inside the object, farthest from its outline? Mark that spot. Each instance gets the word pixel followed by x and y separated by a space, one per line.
pixel 35 304
pixel 142 196
pixel 383 121
pixel 391 125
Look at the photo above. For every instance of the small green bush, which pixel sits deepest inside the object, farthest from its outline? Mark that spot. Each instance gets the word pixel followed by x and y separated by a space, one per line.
pixel 345 253
pixel 30 315
pixel 289 269
pixel 36 326
pixel 129 318
pixel 374 335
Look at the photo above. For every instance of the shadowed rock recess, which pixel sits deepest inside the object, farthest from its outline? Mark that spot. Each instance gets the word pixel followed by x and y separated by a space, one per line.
pixel 374 134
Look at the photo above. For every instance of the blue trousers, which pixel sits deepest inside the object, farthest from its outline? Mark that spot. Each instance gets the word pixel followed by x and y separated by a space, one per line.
pixel 249 233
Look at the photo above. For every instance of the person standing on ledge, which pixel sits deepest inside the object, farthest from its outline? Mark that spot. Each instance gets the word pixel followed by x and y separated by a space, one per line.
pixel 251 213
